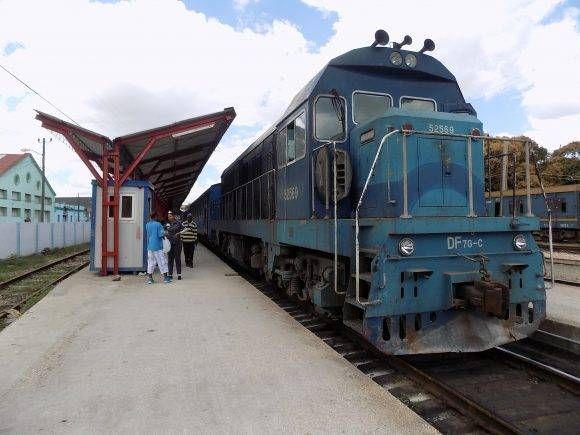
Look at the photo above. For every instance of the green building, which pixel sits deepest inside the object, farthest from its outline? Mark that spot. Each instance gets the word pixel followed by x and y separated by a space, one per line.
pixel 21 190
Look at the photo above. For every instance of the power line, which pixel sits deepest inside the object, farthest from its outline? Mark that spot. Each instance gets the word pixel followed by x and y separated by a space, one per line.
pixel 35 92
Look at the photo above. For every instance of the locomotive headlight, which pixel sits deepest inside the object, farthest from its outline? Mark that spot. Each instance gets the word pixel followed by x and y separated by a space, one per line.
pixel 406 246
pixel 396 58
pixel 520 242
pixel 411 60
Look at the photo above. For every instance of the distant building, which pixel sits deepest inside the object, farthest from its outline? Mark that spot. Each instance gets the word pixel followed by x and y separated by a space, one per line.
pixel 21 189
pixel 72 208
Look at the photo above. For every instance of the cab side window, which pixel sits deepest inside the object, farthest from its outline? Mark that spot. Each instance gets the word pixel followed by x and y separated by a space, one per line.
pixel 292 141
pixel 329 120
pixel 281 148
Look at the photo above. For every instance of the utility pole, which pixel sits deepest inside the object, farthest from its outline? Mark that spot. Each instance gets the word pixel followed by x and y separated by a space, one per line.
pixel 43 177
pixel 26 150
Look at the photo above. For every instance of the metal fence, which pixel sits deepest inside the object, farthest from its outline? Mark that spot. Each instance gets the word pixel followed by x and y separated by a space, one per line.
pixel 19 238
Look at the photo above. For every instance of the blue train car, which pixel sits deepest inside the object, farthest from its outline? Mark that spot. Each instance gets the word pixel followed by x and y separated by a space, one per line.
pixel 563 202
pixel 205 210
pixel 367 198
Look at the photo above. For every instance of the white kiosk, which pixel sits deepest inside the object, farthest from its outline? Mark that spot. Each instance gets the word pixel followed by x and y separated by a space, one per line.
pixel 136 199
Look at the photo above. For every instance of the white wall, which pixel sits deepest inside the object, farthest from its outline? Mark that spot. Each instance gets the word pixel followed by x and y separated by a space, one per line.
pixel 28 238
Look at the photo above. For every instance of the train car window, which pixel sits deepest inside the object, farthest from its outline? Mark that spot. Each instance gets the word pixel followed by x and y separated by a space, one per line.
pixel 418 104
pixel 281 148
pixel 367 106
pixel 328 124
pixel 563 206
pixel 296 137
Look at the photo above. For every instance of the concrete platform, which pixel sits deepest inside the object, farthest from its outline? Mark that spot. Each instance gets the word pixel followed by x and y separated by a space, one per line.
pixel 209 354
pixel 563 304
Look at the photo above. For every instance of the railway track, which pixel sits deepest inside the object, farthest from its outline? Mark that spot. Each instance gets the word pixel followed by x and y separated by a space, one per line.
pixel 18 291
pixel 573 248
pixel 566 271
pixel 521 388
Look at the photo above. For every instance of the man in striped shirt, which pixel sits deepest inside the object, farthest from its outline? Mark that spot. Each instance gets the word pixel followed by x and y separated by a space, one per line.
pixel 189 239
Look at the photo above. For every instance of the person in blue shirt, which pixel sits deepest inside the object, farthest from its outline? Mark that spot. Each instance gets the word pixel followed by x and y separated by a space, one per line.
pixel 155 254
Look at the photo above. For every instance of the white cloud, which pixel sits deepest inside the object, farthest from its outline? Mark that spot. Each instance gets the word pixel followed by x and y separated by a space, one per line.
pixel 490 46
pixel 242 4
pixel 119 68
pixel 122 67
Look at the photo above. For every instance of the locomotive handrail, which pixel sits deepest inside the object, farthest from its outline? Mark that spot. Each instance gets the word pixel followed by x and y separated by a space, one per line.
pixel 356 220
pixel 326 144
pixel 470 137
pixel 549 211
pixel 526 143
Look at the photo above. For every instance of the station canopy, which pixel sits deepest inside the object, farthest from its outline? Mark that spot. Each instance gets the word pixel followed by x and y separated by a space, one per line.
pixel 171 157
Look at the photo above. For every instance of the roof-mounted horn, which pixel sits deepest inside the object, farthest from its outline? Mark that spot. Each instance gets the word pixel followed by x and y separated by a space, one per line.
pixel 428 45
pixel 381 38
pixel 406 41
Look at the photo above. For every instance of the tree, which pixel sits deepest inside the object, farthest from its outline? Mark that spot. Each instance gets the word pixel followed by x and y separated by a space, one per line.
pixel 560 167
pixel 515 148
pixel 564 165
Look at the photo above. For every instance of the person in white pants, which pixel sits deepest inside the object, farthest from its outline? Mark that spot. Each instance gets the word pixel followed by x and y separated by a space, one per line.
pixel 155 254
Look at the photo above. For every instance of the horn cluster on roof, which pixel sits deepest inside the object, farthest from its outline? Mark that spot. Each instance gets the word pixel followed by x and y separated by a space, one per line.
pixel 382 38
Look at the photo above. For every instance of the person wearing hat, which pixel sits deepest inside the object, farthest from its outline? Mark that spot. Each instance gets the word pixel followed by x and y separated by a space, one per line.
pixel 172 231
pixel 189 239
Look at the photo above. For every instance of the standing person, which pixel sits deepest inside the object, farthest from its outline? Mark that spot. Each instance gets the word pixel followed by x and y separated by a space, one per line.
pixel 189 239
pixel 155 254
pixel 172 231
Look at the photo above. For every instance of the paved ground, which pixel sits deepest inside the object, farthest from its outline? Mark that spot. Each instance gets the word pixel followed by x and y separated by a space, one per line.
pixel 563 304
pixel 209 354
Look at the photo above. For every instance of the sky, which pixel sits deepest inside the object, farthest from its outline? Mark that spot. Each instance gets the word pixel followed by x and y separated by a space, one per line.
pixel 120 66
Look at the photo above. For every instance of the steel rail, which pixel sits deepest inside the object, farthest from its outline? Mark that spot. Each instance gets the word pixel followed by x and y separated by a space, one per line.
pixel 482 416
pixel 55 281
pixel 557 374
pixel 40 269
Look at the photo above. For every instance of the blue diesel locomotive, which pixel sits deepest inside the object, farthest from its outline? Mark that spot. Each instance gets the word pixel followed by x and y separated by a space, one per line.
pixel 367 198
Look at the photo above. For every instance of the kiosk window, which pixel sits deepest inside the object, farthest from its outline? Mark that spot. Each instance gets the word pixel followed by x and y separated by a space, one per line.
pixel 127 206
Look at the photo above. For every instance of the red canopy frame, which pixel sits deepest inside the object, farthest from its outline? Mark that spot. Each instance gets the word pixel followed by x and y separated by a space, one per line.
pixel 109 162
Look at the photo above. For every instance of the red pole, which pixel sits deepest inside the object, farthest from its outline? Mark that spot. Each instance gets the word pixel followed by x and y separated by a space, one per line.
pixel 116 190
pixel 105 213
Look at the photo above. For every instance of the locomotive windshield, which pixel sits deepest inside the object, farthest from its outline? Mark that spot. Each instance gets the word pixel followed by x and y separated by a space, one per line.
pixel 367 106
pixel 418 104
